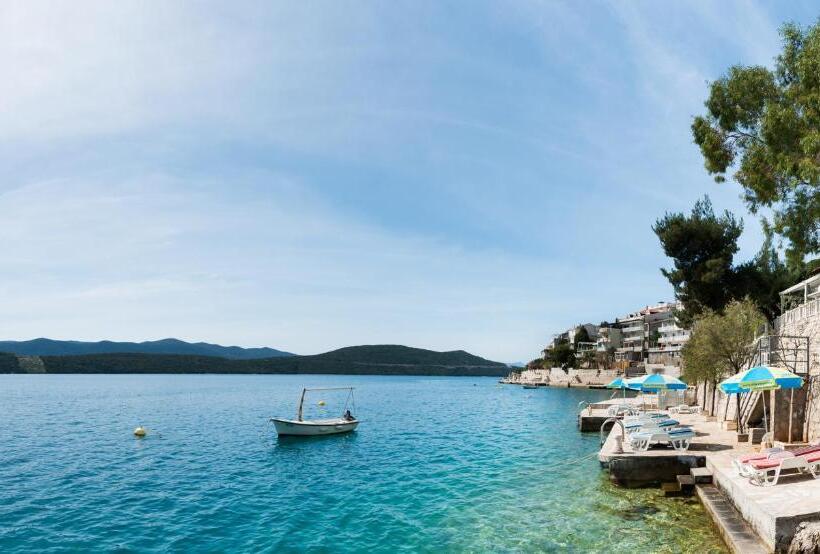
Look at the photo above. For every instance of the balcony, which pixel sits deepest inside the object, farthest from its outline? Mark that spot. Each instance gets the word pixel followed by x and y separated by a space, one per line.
pixel 679 337
pixel 804 311
pixel 632 347
pixel 667 349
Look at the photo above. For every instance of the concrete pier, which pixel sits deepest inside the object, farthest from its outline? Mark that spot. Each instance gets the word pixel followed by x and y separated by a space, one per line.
pixel 593 416
pixel 772 513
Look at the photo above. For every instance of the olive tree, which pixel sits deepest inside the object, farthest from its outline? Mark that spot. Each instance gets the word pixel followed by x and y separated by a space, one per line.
pixel 721 345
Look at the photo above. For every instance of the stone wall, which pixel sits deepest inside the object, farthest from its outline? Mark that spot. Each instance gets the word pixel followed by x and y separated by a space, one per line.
pixel 784 401
pixel 805 322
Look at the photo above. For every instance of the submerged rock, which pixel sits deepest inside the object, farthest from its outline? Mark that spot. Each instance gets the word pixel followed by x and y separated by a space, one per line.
pixel 639 512
pixel 806 539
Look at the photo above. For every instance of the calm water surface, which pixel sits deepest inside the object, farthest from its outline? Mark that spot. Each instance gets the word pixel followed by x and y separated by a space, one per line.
pixel 438 465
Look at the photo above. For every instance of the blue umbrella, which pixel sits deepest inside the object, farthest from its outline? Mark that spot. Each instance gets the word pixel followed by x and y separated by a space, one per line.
pixel 618 383
pixel 654 382
pixel 762 378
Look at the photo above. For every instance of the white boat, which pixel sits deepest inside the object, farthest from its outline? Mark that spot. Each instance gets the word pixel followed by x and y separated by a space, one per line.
pixel 315 427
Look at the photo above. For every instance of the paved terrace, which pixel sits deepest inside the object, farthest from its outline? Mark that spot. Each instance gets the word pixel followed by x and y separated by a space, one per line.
pixel 772 512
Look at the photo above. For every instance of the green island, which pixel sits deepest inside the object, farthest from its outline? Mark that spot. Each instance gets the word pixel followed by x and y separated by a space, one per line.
pixel 352 360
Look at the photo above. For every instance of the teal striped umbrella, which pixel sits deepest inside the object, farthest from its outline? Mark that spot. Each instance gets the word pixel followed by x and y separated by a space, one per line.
pixel 618 383
pixel 761 378
pixel 655 382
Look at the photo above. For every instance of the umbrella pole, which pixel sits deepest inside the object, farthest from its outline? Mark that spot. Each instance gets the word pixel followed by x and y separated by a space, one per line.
pixel 791 407
pixel 737 397
pixel 726 409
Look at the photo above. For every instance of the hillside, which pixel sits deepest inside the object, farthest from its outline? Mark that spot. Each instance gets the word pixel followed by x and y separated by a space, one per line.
pixel 49 347
pixel 356 360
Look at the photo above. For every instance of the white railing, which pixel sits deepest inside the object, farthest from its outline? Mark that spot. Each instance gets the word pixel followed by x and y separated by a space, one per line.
pixel 629 349
pixel 680 337
pixel 809 309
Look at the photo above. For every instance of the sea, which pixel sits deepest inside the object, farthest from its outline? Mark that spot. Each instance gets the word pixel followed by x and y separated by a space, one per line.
pixel 438 464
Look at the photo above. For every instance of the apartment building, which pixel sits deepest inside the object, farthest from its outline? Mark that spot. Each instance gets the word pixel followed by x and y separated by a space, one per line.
pixel 665 337
pixel 652 335
pixel 609 336
pixel 632 338
pixel 568 336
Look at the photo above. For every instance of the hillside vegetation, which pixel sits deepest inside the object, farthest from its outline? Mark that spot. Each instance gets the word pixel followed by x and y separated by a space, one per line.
pixel 49 347
pixel 355 360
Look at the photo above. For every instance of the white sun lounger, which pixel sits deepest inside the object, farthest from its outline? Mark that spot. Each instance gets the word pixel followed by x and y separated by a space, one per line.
pixel 646 417
pixel 651 425
pixel 621 409
pixel 767 472
pixel 678 438
pixel 684 409
pixel 742 463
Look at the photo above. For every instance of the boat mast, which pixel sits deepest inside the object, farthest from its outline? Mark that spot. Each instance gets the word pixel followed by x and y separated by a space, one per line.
pixel 301 402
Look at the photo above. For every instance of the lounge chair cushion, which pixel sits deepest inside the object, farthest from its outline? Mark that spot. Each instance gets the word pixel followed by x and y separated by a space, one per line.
pixel 761 461
pixel 811 449
pixel 772 461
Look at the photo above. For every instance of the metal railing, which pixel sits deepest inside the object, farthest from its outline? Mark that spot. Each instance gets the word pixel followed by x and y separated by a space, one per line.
pixel 789 351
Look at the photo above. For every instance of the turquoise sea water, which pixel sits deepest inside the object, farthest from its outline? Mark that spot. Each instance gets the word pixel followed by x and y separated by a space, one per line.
pixel 437 465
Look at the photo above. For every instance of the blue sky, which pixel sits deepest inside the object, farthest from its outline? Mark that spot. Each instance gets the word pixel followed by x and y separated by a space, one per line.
pixel 313 175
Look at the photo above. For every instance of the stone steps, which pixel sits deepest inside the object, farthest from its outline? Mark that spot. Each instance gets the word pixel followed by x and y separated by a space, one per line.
pixel 686 483
pixel 737 534
pixel 701 475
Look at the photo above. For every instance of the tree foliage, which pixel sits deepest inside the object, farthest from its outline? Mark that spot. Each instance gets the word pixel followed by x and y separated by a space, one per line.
pixel 562 355
pixel 765 126
pixel 721 344
pixel 762 279
pixel 582 335
pixel 538 363
pixel 360 360
pixel 702 247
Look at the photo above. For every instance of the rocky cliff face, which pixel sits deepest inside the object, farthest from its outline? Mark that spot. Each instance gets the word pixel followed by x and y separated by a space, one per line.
pixel 31 364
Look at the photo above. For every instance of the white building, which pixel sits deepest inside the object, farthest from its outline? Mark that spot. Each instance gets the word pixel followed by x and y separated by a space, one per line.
pixel 632 338
pixel 568 336
pixel 800 317
pixel 608 337
pixel 665 337
pixel 796 345
pixel 652 335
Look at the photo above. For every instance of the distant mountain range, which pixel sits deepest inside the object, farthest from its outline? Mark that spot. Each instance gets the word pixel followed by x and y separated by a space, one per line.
pixel 48 347
pixel 353 360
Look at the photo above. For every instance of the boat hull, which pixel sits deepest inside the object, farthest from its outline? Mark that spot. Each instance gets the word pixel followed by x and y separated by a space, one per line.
pixel 313 428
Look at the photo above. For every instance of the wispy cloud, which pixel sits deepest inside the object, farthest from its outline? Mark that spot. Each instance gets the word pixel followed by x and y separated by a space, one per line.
pixel 305 176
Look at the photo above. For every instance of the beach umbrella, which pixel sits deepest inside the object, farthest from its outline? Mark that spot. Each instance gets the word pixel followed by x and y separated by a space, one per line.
pixel 618 383
pixel 655 382
pixel 732 386
pixel 762 378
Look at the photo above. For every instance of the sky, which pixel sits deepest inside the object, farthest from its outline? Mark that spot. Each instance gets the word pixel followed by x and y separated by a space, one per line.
pixel 312 175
